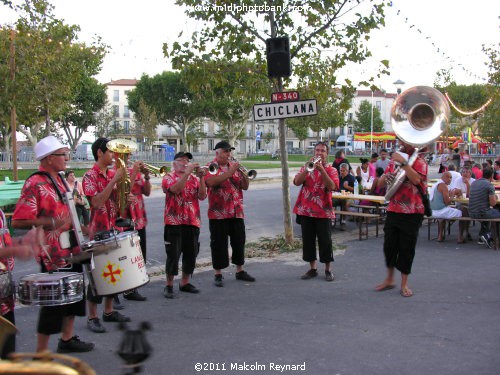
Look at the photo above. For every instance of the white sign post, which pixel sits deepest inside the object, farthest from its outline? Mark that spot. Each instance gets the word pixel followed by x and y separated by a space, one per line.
pixel 270 111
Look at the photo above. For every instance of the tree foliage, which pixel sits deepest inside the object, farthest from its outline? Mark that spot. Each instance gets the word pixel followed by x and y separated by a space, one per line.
pixel 89 98
pixel 227 91
pixel 146 122
pixel 171 100
pixel 363 120
pixel 324 37
pixel 49 61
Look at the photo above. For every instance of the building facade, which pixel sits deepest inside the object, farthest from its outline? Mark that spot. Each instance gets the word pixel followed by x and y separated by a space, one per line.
pixel 258 137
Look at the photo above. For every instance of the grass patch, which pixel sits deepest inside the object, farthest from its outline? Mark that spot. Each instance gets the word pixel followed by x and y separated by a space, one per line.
pixel 23 174
pixel 270 247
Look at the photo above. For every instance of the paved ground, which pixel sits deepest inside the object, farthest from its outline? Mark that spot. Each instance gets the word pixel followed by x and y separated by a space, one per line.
pixel 450 325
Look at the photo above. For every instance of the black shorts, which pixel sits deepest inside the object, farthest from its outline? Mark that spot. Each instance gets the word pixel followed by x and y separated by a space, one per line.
pixel 50 318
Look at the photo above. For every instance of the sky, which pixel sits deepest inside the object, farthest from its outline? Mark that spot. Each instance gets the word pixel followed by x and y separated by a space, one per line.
pixel 420 37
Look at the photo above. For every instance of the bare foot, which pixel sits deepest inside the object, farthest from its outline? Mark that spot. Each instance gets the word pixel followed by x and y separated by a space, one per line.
pixel 384 286
pixel 406 292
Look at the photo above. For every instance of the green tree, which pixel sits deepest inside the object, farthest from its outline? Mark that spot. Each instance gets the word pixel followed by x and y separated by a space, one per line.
pixel 48 63
pixel 329 35
pixel 363 120
pixel 227 90
pixel 171 100
pixel 89 99
pixel 146 123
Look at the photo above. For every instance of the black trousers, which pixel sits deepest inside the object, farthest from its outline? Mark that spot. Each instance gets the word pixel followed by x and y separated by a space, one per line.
pixel 316 228
pixel 181 239
pixel 400 240
pixel 220 230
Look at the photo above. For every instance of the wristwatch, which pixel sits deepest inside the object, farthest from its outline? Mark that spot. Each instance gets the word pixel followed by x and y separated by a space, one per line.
pixel 404 164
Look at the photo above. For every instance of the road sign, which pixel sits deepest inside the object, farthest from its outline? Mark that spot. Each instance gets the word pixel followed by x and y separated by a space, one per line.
pixel 284 96
pixel 300 108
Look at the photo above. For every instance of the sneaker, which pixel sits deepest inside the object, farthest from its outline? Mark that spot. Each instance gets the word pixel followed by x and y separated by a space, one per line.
pixel 95 325
pixel 485 239
pixel 309 274
pixel 188 288
pixel 168 292
pixel 74 345
pixel 134 296
pixel 218 281
pixel 481 241
pixel 244 276
pixel 490 243
pixel 117 304
pixel 116 317
pixel 329 276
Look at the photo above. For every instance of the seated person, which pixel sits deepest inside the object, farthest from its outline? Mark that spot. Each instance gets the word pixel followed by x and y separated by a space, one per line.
pixel 481 200
pixel 462 186
pixel 440 202
pixel 346 184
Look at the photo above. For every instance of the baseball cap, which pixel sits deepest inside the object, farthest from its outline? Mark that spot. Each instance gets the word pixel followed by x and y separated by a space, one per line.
pixel 47 146
pixel 183 155
pixel 224 145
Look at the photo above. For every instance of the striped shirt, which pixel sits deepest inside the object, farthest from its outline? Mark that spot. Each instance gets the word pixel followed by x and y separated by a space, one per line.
pixel 479 197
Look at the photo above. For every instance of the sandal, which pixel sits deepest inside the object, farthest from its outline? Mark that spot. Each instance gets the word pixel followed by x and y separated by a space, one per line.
pixel 406 292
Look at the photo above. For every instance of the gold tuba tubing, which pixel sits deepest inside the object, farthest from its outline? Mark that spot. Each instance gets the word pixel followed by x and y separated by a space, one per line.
pixel 418 116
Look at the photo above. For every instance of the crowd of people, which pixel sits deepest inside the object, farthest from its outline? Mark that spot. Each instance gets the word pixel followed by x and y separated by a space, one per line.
pixel 43 210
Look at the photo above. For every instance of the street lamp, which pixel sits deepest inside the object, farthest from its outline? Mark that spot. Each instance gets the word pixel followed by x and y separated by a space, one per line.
pixel 371 128
pixel 399 84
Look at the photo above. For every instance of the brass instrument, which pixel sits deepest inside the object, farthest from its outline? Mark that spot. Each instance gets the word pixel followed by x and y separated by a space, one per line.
pixel 250 174
pixel 418 116
pixel 159 172
pixel 312 164
pixel 46 363
pixel 122 149
pixel 212 168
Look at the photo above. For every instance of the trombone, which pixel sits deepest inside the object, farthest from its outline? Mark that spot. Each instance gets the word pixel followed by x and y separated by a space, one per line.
pixel 250 174
pixel 312 164
pixel 158 172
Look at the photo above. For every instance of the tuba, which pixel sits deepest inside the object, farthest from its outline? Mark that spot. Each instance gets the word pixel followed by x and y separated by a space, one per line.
pixel 122 149
pixel 45 363
pixel 418 116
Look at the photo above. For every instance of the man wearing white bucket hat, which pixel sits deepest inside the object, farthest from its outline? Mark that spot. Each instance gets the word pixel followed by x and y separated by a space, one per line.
pixel 41 204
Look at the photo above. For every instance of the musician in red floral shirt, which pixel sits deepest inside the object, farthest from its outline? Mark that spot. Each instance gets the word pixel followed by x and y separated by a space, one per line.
pixel 23 248
pixel 315 211
pixel 41 204
pixel 182 191
pixel 225 213
pixel 405 214
pixel 99 187
pixel 137 212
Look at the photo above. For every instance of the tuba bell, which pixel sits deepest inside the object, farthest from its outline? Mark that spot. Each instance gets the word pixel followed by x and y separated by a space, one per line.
pixel 418 116
pixel 122 149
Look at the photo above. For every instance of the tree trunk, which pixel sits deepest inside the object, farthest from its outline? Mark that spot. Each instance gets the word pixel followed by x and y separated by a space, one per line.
pixel 285 182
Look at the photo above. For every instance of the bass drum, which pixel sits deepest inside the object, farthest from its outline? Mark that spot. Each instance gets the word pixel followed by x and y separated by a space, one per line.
pixel 117 264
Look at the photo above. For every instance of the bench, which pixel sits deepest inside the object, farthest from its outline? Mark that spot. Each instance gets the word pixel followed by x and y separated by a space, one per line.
pixel 495 229
pixel 365 219
pixel 377 208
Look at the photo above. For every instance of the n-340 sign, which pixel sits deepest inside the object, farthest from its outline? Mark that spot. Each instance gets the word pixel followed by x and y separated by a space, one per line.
pixel 300 108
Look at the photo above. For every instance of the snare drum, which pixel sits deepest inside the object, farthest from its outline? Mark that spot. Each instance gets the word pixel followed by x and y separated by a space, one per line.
pixel 51 289
pixel 117 264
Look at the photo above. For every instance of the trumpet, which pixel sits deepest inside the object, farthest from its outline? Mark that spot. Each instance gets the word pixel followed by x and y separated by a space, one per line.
pixel 250 174
pixel 159 172
pixel 312 164
pixel 212 168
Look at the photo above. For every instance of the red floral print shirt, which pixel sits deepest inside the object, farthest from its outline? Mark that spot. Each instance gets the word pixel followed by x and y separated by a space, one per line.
pixel 183 208
pixel 39 198
pixel 6 264
pixel 137 208
pixel 314 199
pixel 94 182
pixel 225 201
pixel 407 200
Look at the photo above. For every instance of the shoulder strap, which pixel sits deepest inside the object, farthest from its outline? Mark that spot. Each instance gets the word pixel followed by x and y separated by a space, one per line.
pixel 43 173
